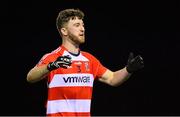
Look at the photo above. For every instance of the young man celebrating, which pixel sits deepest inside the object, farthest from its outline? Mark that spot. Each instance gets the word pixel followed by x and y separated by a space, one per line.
pixel 70 72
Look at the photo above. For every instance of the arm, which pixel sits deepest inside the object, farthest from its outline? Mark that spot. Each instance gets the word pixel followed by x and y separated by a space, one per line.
pixel 118 77
pixel 115 78
pixel 40 72
pixel 37 73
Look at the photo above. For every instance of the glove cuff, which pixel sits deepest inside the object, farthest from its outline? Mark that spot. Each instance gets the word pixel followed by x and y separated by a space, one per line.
pixel 128 69
pixel 51 66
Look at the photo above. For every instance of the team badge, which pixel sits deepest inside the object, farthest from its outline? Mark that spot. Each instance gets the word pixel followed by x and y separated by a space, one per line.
pixel 87 66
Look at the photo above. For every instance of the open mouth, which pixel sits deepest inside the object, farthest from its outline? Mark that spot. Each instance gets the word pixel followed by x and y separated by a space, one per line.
pixel 81 35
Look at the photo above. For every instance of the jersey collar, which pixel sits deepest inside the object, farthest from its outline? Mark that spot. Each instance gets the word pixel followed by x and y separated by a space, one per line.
pixel 64 48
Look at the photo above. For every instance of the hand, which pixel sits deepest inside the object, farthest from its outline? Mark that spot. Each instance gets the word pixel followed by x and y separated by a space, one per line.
pixel 62 61
pixel 134 63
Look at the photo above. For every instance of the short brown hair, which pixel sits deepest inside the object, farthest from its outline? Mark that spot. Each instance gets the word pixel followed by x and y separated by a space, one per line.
pixel 65 15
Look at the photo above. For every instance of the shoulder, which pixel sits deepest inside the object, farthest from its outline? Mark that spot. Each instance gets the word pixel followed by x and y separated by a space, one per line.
pixel 53 54
pixel 88 55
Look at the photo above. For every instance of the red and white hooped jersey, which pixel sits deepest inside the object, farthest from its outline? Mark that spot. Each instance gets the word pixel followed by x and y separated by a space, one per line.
pixel 70 90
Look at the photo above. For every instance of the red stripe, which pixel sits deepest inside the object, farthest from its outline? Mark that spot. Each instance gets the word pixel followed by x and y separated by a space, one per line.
pixel 70 93
pixel 73 114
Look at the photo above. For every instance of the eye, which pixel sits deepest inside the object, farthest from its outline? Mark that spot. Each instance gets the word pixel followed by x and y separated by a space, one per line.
pixel 77 24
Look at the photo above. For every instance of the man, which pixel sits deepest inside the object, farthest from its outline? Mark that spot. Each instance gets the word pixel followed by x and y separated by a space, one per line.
pixel 70 72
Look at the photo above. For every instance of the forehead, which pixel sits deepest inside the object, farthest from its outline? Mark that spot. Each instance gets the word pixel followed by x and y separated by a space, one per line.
pixel 75 20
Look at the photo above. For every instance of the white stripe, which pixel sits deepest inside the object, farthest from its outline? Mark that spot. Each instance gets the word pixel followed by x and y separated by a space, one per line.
pixel 56 50
pixel 80 57
pixel 56 106
pixel 66 80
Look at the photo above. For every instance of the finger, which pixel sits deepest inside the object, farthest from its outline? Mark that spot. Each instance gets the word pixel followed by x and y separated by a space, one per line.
pixel 67 60
pixel 131 56
pixel 61 58
pixel 56 64
pixel 140 61
pixel 65 66
pixel 67 56
pixel 60 62
pixel 138 58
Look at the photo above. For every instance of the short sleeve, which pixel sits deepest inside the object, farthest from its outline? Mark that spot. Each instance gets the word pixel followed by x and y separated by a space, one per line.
pixel 46 59
pixel 97 68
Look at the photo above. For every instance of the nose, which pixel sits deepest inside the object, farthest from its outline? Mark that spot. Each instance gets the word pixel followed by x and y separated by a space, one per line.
pixel 82 28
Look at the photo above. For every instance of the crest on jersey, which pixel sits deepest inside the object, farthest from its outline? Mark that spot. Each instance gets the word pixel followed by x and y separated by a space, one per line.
pixel 87 66
pixel 77 63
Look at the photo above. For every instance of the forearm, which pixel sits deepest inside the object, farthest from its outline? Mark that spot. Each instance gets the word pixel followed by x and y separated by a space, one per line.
pixel 119 77
pixel 37 73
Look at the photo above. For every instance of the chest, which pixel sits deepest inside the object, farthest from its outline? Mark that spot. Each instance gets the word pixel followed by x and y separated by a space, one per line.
pixel 76 67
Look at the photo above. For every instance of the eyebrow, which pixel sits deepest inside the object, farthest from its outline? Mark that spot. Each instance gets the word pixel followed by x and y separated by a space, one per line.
pixel 78 23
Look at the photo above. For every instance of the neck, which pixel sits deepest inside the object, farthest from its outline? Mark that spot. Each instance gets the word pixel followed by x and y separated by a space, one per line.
pixel 71 46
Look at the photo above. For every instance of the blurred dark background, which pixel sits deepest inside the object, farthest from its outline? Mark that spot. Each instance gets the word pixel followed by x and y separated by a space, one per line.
pixel 113 29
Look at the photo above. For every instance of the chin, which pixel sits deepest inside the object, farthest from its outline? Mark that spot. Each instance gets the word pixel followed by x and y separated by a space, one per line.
pixel 82 40
pixel 79 40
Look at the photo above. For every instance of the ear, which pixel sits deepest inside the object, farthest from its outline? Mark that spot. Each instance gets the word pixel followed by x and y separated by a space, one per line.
pixel 63 31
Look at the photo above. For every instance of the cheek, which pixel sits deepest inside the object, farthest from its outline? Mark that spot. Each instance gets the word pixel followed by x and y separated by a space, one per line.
pixel 72 30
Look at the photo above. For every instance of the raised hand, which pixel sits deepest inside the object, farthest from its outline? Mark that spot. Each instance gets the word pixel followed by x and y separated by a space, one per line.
pixel 62 61
pixel 134 63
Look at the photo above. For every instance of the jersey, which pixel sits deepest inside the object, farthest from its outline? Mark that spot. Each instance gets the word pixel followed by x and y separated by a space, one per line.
pixel 70 90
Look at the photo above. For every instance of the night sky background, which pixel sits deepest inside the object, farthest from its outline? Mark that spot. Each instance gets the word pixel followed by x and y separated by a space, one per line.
pixel 113 30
